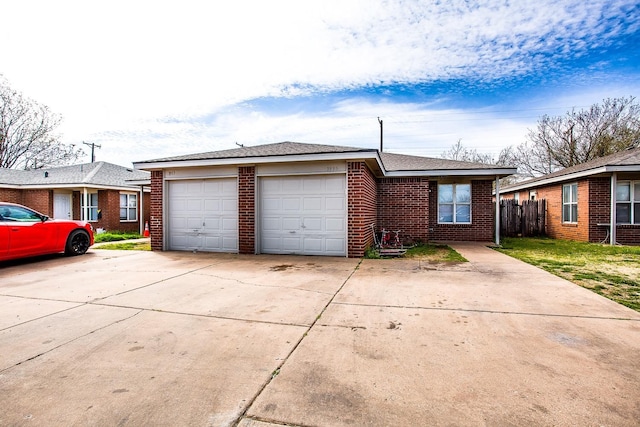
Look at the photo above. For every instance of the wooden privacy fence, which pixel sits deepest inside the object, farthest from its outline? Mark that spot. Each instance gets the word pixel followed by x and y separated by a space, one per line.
pixel 525 220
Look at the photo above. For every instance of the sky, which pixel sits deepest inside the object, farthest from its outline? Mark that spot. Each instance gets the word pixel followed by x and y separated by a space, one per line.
pixel 151 79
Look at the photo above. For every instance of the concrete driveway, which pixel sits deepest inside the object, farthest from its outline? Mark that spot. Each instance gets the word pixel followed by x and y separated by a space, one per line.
pixel 148 338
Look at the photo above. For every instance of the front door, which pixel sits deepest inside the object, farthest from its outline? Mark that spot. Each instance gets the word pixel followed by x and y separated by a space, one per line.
pixel 62 206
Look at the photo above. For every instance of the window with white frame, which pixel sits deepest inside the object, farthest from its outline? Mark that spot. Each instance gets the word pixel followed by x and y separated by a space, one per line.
pixel 128 207
pixel 454 203
pixel 91 207
pixel 570 202
pixel 628 202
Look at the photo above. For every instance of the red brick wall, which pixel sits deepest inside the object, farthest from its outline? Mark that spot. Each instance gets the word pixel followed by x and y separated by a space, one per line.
pixel 555 227
pixel 39 200
pixel 247 209
pixel 403 204
pixel 482 224
pixel 362 209
pixel 155 222
pixel 10 195
pixel 599 208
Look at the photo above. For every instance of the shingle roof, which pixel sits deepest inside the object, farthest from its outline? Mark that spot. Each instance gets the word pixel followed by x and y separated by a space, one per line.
pixel 98 173
pixel 402 162
pixel 391 161
pixel 287 148
pixel 630 157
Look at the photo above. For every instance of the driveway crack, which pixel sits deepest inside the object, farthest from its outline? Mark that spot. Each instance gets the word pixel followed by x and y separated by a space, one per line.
pixel 295 347
pixel 72 340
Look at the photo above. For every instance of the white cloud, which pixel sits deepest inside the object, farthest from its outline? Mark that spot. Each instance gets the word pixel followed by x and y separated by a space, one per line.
pixel 116 70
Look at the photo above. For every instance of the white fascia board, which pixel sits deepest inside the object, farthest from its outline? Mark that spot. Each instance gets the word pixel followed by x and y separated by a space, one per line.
pixel 140 182
pixel 257 160
pixel 624 168
pixel 452 172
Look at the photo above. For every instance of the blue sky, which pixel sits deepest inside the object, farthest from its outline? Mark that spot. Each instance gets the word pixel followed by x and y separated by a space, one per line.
pixel 150 79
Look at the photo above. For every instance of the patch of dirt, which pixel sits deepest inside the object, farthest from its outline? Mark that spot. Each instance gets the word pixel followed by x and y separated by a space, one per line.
pixel 282 267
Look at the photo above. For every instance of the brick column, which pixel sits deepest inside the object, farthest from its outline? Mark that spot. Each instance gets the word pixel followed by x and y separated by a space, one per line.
pixel 247 209
pixel 155 224
pixel 361 205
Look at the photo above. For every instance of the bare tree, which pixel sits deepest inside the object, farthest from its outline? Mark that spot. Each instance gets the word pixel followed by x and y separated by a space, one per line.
pixel 579 136
pixel 465 154
pixel 459 152
pixel 27 138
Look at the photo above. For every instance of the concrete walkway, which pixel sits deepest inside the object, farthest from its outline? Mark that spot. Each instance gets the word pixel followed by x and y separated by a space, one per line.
pixel 148 338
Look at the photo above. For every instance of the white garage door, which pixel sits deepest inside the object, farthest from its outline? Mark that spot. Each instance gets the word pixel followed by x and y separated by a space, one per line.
pixel 303 215
pixel 203 215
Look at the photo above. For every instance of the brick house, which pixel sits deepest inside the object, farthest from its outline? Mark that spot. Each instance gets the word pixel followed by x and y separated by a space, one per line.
pixel 294 198
pixel 597 201
pixel 107 195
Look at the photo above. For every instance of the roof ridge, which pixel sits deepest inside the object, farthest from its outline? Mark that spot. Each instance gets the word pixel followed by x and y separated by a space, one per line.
pixel 93 173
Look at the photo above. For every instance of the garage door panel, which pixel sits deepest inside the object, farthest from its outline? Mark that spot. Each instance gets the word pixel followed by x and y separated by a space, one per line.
pixel 313 245
pixel 290 224
pixel 300 214
pixel 312 224
pixel 212 224
pixel 291 204
pixel 334 224
pixel 193 205
pixel 193 223
pixel 290 186
pixel 271 186
pixel 311 204
pixel 335 245
pixel 212 205
pixel 291 244
pixel 271 244
pixel 229 225
pixel 203 215
pixel 334 184
pixel 271 224
pixel 230 206
pixel 271 204
pixel 334 204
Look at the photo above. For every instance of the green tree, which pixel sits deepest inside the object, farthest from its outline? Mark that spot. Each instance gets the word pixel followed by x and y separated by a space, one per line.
pixel 27 133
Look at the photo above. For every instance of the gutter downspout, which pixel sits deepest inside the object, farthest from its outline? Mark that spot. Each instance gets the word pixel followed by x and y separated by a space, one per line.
pixel 612 210
pixel 498 210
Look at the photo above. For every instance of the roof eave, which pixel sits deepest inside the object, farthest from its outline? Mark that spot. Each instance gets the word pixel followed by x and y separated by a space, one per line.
pixel 259 160
pixel 501 172
pixel 556 179
pixel 74 186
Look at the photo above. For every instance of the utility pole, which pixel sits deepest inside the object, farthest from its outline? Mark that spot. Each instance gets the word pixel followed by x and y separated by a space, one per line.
pixel 93 146
pixel 380 121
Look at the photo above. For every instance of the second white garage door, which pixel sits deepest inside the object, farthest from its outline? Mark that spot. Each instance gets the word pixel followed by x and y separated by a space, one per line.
pixel 203 215
pixel 303 215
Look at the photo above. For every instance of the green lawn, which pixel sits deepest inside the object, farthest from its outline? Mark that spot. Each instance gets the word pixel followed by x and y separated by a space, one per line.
pixel 114 236
pixel 611 271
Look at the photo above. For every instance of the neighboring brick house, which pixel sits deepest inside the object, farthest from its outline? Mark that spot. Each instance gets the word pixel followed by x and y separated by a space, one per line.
pixel 107 195
pixel 293 198
pixel 590 202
